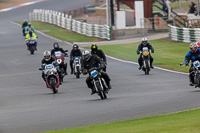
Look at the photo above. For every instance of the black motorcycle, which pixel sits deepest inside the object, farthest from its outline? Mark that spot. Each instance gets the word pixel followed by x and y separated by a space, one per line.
pixel 60 59
pixel 31 46
pixel 99 83
pixel 146 60
pixel 77 66
pixel 195 72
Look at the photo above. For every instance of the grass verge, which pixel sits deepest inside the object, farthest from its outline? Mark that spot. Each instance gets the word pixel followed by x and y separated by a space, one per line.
pixel 61 33
pixel 168 54
pixel 183 122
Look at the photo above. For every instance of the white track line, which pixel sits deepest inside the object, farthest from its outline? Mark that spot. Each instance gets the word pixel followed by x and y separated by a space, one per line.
pixel 131 62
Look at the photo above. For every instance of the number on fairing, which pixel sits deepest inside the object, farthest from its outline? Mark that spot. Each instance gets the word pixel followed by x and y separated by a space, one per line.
pixel 49 66
pixel 94 73
pixel 77 60
pixel 145 49
pixel 58 53
pixel 196 64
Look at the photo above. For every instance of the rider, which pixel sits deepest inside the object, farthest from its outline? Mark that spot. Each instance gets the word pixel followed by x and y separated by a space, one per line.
pixel 193 55
pixel 99 52
pixel 29 27
pixel 49 60
pixel 31 36
pixel 140 48
pixel 90 61
pixel 75 52
pixel 24 26
pixel 57 48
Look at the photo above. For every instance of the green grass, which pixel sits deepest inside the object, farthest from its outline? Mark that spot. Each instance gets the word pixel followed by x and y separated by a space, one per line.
pixel 183 122
pixel 168 54
pixel 61 33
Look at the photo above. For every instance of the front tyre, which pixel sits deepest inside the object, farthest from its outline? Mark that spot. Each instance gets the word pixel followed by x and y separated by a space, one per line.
pixel 52 83
pixel 77 72
pixel 102 94
pixel 32 49
pixel 147 67
pixel 198 79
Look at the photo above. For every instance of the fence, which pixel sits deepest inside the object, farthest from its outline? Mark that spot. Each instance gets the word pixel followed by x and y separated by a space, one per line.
pixel 184 34
pixel 66 21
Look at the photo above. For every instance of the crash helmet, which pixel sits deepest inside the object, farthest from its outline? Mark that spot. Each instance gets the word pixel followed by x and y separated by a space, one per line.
pixel 86 55
pixel 198 44
pixel 75 46
pixel 47 55
pixel 193 47
pixel 55 45
pixel 30 33
pixel 94 47
pixel 144 41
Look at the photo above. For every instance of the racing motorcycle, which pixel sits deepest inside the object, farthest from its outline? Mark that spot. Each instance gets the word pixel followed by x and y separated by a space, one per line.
pixel 195 72
pixel 99 83
pixel 31 46
pixel 77 66
pixel 60 59
pixel 51 77
pixel 146 60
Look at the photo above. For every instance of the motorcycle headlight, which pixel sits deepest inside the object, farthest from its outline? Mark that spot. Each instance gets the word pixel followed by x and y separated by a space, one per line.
pixel 59 61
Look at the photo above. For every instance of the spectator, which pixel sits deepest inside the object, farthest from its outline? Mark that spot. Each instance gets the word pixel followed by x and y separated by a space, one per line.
pixel 193 8
pixel 167 2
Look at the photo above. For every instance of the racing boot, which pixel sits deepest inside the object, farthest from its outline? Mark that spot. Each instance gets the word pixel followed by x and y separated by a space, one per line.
pixel 140 67
pixel 93 91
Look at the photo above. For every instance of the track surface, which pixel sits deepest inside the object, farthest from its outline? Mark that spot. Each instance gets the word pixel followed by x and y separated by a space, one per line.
pixel 27 106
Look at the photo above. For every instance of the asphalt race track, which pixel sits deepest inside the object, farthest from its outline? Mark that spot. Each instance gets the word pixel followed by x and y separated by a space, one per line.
pixel 27 106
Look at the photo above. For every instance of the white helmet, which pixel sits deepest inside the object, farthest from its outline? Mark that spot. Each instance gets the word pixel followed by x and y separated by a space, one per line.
pixel 144 41
pixel 86 55
pixel 47 55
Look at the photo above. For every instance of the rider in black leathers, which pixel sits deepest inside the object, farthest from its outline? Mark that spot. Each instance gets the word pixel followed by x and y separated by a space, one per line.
pixel 90 61
pixel 23 26
pixel 75 52
pixel 99 52
pixel 49 60
pixel 140 48
pixel 57 48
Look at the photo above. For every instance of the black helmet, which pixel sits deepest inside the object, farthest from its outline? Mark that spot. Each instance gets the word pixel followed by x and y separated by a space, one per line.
pixel 75 46
pixel 94 47
pixel 30 33
pixel 56 45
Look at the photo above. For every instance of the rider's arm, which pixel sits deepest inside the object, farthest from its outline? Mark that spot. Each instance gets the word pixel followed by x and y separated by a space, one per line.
pixel 62 50
pixel 187 57
pixel 151 47
pixel 98 59
pixel 103 56
pixel 34 35
pixel 139 49
pixel 80 53
pixel 71 55
pixel 27 37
